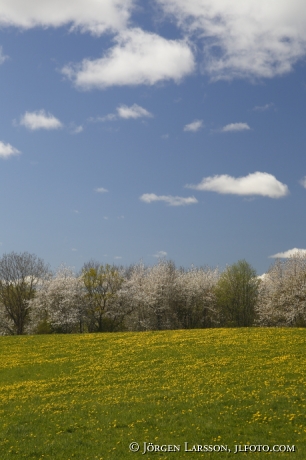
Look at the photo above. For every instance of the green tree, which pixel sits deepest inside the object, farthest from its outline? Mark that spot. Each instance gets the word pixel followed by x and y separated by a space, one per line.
pixel 236 293
pixel 102 284
pixel 20 276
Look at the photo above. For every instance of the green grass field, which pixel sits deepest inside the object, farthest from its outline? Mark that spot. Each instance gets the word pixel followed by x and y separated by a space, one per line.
pixel 89 396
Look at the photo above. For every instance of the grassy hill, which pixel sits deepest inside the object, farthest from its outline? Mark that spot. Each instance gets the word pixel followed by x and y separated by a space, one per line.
pixel 89 396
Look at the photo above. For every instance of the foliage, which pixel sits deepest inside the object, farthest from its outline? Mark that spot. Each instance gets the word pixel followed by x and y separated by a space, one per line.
pixel 102 283
pixel 88 396
pixel 237 292
pixel 105 298
pixel 20 276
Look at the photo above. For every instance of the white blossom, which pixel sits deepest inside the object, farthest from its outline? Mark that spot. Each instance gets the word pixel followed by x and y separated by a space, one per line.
pixel 282 299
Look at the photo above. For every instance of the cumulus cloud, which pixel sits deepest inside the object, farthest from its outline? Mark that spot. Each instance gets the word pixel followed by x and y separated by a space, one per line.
pixel 138 57
pixel 234 127
pixel 194 126
pixel 254 38
pixel 101 190
pixel 123 111
pixel 40 120
pixel 160 254
pixel 169 199
pixel 7 150
pixel 86 15
pixel 258 183
pixel 288 254
pixel 135 111
pixel 303 182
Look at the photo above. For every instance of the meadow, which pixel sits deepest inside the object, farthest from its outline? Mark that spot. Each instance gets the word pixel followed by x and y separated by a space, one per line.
pixel 88 396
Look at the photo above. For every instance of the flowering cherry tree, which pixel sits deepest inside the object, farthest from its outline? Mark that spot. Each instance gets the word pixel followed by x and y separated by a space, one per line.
pixel 133 294
pixel 60 303
pixel 196 300
pixel 164 297
pixel 282 294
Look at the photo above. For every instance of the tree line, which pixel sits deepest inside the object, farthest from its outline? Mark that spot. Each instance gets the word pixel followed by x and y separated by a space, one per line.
pixel 105 298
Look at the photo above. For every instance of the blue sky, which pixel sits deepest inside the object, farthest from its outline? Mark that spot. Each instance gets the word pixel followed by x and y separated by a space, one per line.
pixel 129 132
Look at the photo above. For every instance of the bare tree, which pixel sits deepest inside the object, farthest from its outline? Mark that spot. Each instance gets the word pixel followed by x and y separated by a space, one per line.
pixel 20 276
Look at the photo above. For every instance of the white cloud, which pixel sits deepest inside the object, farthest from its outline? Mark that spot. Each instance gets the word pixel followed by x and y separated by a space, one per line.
pixel 194 126
pixel 101 190
pixel 236 127
pixel 263 108
pixel 77 130
pixel 253 38
pixel 2 56
pixel 135 111
pixel 40 120
pixel 170 200
pixel 137 58
pixel 303 182
pixel 123 111
pixel 86 15
pixel 117 257
pixel 160 254
pixel 258 183
pixel 287 254
pixel 7 150
pixel 109 117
